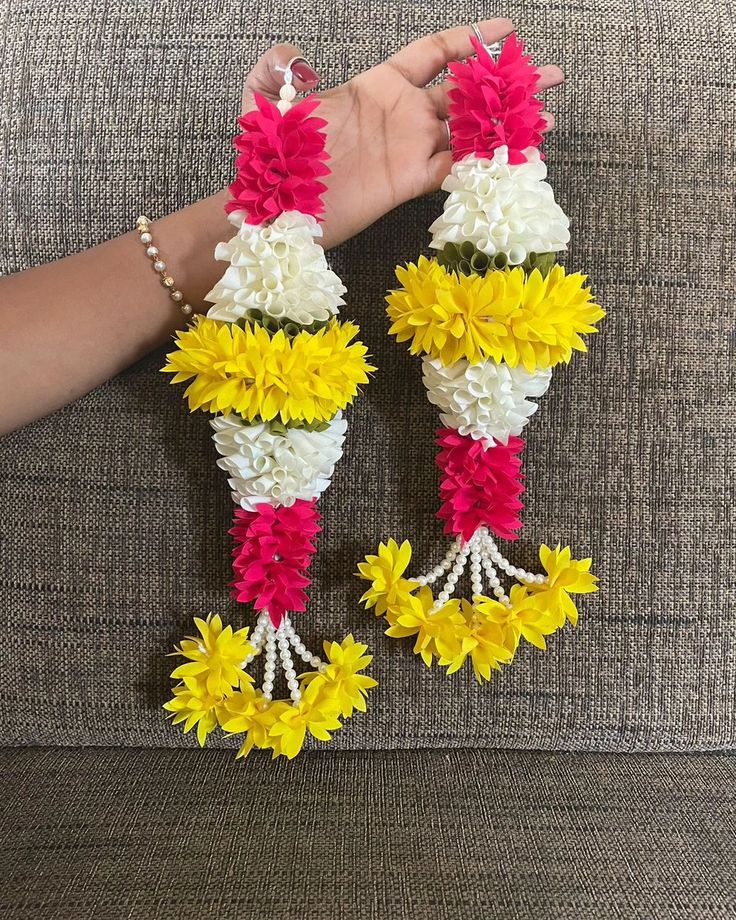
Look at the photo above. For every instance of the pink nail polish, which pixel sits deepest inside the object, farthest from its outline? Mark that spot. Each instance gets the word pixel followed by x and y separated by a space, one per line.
pixel 304 72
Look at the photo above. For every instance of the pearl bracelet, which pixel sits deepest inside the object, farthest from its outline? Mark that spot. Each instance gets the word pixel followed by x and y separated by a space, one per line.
pixel 159 266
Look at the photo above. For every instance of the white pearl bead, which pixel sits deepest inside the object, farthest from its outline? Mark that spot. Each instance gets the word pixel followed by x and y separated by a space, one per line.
pixel 293 684
pixel 152 251
pixel 498 592
pixel 290 674
pixel 283 643
pixel 187 309
pixel 267 686
pixel 539 579
pixel 146 238
pixel 287 92
pixel 431 578
pixel 267 696
pixel 159 266
pixel 495 581
pixel 452 579
pixel 306 655
pixel 421 581
pixel 438 570
pixel 474 568
pixel 457 569
pixel 443 597
pixel 314 661
pixel 283 106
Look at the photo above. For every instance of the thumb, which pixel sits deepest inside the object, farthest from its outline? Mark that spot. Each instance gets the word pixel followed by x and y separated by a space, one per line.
pixel 267 76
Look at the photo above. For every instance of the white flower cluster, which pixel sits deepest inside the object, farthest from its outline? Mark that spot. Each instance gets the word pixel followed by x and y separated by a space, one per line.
pixel 487 401
pixel 268 466
pixel 501 208
pixel 278 269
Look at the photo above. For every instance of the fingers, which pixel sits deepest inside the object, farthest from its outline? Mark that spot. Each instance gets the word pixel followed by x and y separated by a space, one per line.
pixel 439 98
pixel 267 75
pixel 438 168
pixel 549 76
pixel 423 59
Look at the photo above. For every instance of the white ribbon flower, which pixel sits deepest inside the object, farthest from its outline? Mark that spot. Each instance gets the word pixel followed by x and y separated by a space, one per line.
pixel 278 269
pixel 487 401
pixel 501 208
pixel 266 466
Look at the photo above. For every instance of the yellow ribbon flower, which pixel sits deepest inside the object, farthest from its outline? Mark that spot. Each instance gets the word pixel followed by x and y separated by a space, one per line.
pixel 565 576
pixel 533 320
pixel 439 633
pixel 522 618
pixel 194 705
pixel 216 656
pixel 385 572
pixel 262 377
pixel 316 713
pixel 341 678
pixel 483 640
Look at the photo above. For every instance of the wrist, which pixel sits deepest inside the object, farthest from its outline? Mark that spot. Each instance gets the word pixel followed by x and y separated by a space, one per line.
pixel 189 237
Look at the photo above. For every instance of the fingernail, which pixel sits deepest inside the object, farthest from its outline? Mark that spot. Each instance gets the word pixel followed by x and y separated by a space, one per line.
pixel 304 72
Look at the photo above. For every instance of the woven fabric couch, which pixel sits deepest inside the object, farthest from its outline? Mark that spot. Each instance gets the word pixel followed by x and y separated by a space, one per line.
pixel 594 781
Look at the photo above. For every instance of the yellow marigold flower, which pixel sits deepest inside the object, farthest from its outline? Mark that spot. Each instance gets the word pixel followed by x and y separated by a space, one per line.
pixel 565 576
pixel 216 657
pixel 316 713
pixel 194 705
pixel 259 376
pixel 439 634
pixel 388 588
pixel 522 618
pixel 531 320
pixel 341 680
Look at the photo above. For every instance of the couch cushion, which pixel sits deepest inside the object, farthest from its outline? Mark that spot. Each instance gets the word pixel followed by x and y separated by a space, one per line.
pixel 107 834
pixel 114 515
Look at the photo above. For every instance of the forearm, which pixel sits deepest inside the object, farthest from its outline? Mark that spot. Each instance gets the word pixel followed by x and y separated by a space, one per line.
pixel 69 325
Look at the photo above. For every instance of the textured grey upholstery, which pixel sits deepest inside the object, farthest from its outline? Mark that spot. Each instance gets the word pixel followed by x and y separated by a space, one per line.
pixel 114 516
pixel 434 835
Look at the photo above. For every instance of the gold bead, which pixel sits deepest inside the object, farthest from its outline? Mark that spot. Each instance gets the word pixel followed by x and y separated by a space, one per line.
pixel 168 281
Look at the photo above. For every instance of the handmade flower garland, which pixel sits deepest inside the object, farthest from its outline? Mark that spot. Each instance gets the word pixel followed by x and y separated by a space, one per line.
pixel 492 314
pixel 275 368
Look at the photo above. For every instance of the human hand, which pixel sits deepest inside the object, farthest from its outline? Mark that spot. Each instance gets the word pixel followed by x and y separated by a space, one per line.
pixel 386 131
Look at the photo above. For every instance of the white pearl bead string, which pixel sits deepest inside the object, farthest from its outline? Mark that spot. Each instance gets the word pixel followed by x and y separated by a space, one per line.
pixel 277 642
pixel 143 225
pixel 484 556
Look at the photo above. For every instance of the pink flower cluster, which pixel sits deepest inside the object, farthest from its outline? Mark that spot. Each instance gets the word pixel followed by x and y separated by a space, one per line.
pixel 480 485
pixel 492 103
pixel 273 549
pixel 280 161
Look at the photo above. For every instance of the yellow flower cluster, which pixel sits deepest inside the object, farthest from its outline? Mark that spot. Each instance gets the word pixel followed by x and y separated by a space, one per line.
pixel 488 632
pixel 533 321
pixel 261 377
pixel 215 690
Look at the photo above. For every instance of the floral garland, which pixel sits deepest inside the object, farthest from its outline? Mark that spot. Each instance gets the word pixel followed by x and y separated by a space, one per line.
pixel 275 368
pixel 492 314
